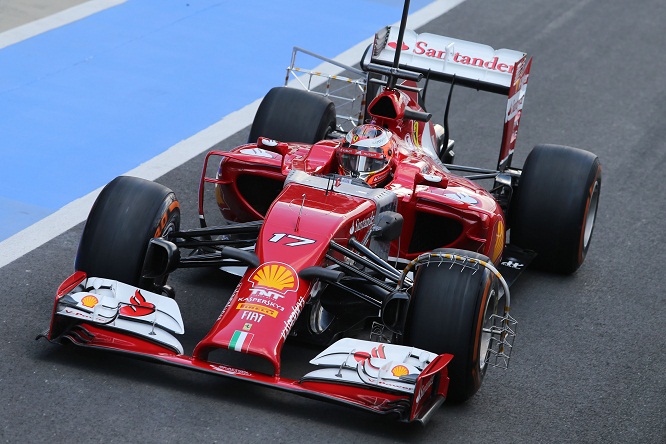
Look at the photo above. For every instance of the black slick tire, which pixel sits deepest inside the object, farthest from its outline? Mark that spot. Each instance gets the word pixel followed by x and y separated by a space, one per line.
pixel 126 215
pixel 555 206
pixel 450 305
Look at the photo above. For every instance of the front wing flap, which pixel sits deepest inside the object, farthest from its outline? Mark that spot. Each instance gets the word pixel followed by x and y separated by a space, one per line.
pixel 387 367
pixel 119 306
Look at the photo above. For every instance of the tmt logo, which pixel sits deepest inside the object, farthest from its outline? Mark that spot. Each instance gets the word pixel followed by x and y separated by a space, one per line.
pixel 259 292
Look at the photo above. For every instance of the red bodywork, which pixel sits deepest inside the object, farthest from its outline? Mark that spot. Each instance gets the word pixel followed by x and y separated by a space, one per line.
pixel 440 209
pixel 453 212
pixel 456 212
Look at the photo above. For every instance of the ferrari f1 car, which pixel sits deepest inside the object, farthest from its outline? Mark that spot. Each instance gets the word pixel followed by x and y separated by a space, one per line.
pixel 401 276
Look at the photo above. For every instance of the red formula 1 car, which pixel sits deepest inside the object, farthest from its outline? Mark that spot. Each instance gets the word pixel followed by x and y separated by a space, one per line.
pixel 364 242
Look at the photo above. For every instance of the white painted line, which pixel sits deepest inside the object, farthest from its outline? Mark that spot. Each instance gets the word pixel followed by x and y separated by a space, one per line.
pixel 54 21
pixel 77 211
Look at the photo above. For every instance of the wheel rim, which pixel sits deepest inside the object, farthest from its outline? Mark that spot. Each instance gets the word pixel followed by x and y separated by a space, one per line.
pixel 492 307
pixel 169 229
pixel 591 216
pixel 320 318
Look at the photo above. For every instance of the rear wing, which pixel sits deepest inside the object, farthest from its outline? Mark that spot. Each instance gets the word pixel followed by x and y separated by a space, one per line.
pixel 441 58
pixel 474 65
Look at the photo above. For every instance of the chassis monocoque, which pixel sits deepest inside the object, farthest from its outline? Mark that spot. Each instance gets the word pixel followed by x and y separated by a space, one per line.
pixel 406 287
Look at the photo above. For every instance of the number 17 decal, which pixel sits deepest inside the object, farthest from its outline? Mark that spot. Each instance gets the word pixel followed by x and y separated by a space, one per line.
pixel 297 240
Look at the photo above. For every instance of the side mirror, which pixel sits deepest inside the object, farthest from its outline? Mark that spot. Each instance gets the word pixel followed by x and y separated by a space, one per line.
pixel 433 180
pixel 273 145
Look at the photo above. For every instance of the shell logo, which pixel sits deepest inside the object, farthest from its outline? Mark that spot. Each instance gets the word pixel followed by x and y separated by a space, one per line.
pixel 399 370
pixel 89 301
pixel 275 275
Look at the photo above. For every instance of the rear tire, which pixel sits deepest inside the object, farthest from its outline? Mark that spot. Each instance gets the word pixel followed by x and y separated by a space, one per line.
pixel 293 115
pixel 450 305
pixel 555 206
pixel 126 215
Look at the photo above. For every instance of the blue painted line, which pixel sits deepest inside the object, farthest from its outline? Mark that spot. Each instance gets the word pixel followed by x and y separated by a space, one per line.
pixel 88 101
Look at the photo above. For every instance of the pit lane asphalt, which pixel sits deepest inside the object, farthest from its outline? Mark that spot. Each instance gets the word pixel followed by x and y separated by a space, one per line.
pixel 588 364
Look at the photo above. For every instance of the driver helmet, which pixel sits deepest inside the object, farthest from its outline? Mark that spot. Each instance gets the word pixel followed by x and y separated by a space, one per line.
pixel 365 153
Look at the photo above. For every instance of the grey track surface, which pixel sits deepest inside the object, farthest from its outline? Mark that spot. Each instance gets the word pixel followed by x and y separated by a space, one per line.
pixel 589 358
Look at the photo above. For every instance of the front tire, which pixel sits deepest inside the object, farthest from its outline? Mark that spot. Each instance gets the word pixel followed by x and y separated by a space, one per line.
pixel 555 206
pixel 126 215
pixel 451 304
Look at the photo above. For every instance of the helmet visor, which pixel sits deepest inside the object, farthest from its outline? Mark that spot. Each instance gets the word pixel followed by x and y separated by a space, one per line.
pixel 359 162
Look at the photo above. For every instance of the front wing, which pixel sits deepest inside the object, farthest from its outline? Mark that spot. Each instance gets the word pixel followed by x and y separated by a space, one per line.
pixel 404 381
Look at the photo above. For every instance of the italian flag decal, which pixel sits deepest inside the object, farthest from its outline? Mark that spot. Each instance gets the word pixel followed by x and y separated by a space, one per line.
pixel 240 341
